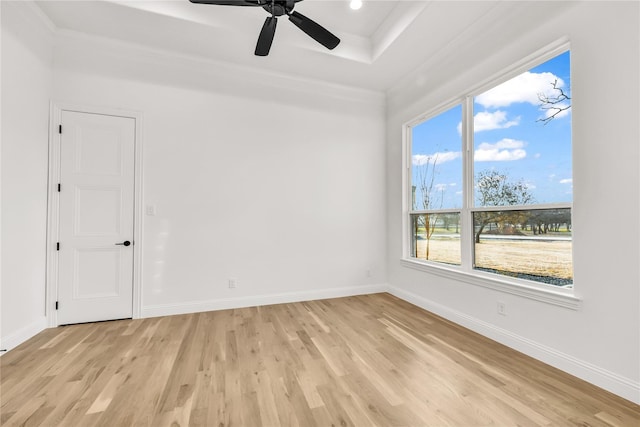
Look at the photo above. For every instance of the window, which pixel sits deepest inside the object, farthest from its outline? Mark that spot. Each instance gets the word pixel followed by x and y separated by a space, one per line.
pixel 490 179
pixel 436 189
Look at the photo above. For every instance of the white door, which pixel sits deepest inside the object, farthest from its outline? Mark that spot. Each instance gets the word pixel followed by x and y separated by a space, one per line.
pixel 95 270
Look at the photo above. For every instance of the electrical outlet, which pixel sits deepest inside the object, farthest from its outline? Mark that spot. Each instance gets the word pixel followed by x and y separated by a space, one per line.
pixel 502 309
pixel 232 283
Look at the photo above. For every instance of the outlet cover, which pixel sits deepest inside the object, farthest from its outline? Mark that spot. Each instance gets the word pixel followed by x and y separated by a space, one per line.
pixel 502 309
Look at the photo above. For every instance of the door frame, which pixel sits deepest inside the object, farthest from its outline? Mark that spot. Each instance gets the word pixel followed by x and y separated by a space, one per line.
pixel 53 204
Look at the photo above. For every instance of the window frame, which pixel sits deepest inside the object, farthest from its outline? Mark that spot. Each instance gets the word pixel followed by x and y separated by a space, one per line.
pixel 465 272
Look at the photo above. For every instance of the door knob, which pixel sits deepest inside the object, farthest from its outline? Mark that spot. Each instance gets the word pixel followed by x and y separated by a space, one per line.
pixel 125 243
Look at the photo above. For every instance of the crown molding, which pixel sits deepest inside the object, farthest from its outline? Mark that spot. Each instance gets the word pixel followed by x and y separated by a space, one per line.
pixel 36 12
pixel 69 44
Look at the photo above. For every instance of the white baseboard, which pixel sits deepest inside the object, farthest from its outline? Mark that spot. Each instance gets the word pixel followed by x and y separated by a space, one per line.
pixel 610 381
pixel 13 340
pixel 253 301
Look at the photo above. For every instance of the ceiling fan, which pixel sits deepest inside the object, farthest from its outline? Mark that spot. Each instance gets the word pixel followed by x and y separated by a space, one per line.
pixel 278 8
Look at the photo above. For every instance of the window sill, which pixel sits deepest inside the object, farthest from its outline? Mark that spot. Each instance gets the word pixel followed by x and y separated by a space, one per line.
pixel 560 297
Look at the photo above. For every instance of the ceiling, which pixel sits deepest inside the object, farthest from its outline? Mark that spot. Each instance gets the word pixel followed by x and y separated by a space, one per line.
pixel 383 42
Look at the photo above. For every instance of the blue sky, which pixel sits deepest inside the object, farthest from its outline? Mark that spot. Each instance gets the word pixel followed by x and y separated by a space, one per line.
pixel 507 138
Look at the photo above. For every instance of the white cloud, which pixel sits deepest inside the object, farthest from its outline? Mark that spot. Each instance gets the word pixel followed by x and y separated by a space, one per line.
pixel 522 88
pixel 486 120
pixel 503 143
pixel 441 157
pixel 441 187
pixel 566 181
pixel 505 150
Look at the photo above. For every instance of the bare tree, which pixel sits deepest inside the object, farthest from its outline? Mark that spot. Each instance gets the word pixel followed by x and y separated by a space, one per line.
pixel 431 197
pixel 555 104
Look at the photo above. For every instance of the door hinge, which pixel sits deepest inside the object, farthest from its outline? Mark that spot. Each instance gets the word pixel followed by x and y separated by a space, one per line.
pixel 56 305
pixel 57 246
pixel 60 129
pixel 59 188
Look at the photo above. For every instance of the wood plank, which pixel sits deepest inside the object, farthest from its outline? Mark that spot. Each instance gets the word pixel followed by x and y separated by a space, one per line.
pixel 371 360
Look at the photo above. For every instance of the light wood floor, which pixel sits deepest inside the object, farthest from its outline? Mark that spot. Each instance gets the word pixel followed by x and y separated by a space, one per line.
pixel 366 361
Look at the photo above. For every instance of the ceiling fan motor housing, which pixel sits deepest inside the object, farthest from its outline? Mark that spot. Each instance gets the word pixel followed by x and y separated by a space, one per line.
pixel 279 7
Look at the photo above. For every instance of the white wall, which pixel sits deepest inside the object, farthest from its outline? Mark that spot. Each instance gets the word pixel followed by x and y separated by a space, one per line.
pixel 599 342
pixel 287 185
pixel 275 182
pixel 26 87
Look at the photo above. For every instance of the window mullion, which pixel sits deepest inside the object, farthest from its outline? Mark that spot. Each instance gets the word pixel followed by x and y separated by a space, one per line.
pixel 466 237
pixel 408 193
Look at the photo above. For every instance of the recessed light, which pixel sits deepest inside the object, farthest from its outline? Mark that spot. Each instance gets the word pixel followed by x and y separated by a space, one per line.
pixel 355 4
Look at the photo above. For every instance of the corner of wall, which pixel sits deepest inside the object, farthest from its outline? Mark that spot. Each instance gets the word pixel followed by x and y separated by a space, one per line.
pixel 600 377
pixel 16 338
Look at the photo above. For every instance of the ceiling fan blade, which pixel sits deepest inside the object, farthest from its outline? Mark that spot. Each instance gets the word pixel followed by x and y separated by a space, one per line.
pixel 314 30
pixel 232 2
pixel 266 36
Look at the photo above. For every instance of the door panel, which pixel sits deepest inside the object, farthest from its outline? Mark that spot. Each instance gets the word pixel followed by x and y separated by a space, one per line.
pixel 95 279
pixel 97 210
pixel 97 273
pixel 99 151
